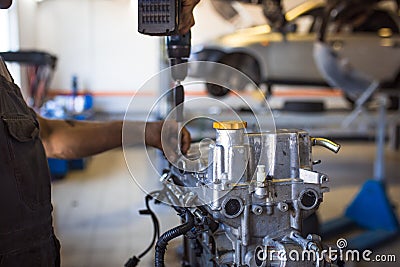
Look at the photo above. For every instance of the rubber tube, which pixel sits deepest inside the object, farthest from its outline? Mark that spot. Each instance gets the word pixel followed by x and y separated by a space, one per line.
pixel 162 242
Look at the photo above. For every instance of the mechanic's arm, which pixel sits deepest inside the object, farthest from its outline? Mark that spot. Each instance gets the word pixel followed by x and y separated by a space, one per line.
pixel 77 139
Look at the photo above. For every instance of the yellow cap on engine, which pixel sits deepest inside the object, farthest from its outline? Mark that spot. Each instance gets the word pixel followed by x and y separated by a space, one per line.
pixel 229 125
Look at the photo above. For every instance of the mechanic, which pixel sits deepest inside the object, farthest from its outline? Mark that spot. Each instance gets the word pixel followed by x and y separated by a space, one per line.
pixel 26 232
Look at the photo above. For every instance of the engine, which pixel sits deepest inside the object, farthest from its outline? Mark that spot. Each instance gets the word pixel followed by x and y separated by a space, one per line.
pixel 244 198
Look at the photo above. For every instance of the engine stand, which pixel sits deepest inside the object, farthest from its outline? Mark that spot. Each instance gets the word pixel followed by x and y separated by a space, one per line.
pixel 371 209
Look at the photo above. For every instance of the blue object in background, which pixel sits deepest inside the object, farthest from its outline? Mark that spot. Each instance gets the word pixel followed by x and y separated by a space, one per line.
pixel 58 168
pixel 68 107
pixel 77 164
pixel 73 106
pixel 372 209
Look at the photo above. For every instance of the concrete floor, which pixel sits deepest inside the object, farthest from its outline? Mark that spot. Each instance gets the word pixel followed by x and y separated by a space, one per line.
pixel 96 210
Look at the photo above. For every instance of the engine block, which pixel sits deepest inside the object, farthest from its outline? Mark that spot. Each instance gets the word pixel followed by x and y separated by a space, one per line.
pixel 249 195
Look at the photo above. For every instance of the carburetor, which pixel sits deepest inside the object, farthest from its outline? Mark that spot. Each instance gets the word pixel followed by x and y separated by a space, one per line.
pixel 249 199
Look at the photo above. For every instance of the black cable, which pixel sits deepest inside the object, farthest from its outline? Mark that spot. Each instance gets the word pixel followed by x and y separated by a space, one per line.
pixel 132 262
pixel 156 225
pixel 162 242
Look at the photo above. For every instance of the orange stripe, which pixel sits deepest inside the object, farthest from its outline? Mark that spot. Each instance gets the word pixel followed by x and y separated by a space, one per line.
pixel 53 93
pixel 280 93
pixel 311 92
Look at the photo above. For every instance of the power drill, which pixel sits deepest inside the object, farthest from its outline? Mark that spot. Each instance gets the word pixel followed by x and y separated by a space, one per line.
pixel 161 18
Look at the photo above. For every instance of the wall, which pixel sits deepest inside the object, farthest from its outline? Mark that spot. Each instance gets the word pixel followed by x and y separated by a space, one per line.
pixel 4 30
pixel 27 21
pixel 98 41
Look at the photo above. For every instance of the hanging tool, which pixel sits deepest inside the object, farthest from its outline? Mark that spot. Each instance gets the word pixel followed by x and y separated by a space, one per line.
pixel 161 18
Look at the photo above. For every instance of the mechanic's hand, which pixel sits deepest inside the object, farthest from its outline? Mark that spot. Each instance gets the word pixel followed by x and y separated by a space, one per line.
pixel 186 16
pixel 168 143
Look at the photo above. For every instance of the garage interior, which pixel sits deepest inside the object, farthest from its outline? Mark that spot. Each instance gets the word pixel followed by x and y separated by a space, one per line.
pixel 91 63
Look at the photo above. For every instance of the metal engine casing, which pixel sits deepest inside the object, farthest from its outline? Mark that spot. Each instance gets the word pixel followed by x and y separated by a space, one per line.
pixel 258 188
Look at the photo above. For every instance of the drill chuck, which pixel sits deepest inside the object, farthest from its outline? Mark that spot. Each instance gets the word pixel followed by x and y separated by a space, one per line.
pixel 178 49
pixel 178 46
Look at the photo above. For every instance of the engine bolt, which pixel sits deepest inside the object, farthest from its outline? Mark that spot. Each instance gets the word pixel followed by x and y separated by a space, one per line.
pixel 257 210
pixel 283 206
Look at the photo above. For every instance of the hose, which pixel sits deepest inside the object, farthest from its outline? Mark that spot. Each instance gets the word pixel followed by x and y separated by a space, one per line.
pixel 162 242
pixel 134 261
pixel 156 225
